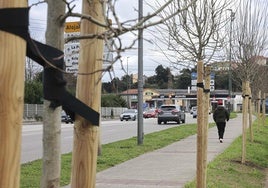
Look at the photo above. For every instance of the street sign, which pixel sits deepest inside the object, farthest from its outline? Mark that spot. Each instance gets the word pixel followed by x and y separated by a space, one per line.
pixel 71 49
pixel 194 81
pixel 71 27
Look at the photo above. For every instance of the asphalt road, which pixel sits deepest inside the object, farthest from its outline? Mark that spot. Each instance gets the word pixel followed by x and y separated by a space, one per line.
pixel 110 130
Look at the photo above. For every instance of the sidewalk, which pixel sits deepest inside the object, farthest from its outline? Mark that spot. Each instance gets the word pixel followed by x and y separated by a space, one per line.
pixel 169 167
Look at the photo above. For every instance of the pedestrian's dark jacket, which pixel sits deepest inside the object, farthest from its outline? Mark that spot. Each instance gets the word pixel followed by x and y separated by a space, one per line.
pixel 221 114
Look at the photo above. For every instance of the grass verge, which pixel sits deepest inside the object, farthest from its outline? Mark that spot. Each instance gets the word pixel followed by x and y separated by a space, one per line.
pixel 112 154
pixel 227 171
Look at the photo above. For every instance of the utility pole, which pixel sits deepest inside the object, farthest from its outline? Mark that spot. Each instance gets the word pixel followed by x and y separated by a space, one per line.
pixel 86 135
pixel 140 78
pixel 128 103
pixel 12 61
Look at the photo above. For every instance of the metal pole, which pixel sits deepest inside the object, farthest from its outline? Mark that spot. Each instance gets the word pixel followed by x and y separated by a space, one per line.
pixel 128 103
pixel 140 78
pixel 230 60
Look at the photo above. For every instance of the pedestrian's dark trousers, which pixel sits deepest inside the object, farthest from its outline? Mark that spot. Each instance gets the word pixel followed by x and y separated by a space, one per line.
pixel 221 128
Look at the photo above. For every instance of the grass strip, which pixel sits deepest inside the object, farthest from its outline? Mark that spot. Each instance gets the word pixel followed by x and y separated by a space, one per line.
pixel 112 153
pixel 227 171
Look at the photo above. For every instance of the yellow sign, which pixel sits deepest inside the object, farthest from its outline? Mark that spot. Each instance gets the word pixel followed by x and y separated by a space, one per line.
pixel 71 27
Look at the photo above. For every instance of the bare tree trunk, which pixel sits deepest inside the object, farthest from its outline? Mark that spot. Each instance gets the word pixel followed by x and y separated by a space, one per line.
pixel 245 86
pixel 51 147
pixel 86 135
pixel 52 117
pixel 200 128
pixel 12 61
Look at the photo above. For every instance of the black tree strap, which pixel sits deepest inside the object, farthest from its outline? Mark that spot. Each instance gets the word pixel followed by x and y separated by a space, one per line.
pixel 16 21
pixel 201 85
pixel 244 96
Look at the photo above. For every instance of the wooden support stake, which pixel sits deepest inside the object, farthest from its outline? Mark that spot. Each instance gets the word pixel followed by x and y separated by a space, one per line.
pixel 250 115
pixel 200 128
pixel 206 113
pixel 259 109
pixel 245 88
pixel 12 61
pixel 263 108
pixel 86 135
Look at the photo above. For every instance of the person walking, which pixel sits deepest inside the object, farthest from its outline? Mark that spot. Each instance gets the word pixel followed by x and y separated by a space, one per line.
pixel 220 116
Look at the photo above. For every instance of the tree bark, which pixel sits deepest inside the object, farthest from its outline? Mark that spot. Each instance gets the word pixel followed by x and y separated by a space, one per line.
pixel 52 117
pixel 86 135
pixel 12 61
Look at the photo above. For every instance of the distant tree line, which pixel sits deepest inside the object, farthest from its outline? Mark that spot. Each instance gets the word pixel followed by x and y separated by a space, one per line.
pixel 163 79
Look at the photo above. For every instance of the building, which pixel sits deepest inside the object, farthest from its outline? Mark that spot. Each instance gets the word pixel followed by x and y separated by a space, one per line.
pixel 153 98
pixel 131 96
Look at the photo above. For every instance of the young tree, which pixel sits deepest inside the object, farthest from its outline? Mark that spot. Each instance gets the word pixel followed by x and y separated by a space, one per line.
pixel 250 41
pixel 52 116
pixel 193 35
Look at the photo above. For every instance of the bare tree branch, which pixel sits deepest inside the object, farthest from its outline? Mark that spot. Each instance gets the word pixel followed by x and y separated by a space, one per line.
pixel 251 39
pixel 196 33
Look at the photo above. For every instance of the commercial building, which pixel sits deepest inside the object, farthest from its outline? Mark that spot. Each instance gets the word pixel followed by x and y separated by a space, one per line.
pixel 153 98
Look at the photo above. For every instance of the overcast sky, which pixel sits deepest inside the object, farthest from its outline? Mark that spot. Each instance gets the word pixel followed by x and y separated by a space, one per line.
pixel 126 9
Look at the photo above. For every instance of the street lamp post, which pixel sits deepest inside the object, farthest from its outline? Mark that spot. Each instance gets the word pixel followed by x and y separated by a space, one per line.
pixel 232 16
pixel 128 103
pixel 140 77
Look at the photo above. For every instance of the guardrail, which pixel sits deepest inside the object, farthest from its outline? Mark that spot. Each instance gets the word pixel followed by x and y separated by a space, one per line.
pixel 35 111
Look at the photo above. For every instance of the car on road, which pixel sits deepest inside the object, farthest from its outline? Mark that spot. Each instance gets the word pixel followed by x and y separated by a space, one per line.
pixel 65 117
pixel 151 113
pixel 194 113
pixel 129 114
pixel 170 113
pixel 193 109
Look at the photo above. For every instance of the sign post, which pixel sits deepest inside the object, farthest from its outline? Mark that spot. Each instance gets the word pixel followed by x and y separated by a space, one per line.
pixel 71 49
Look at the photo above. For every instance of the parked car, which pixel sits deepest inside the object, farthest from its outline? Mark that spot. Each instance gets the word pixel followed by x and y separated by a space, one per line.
pixel 150 113
pixel 194 113
pixel 65 118
pixel 129 114
pixel 193 109
pixel 266 106
pixel 170 113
